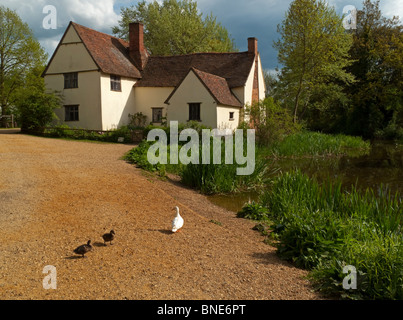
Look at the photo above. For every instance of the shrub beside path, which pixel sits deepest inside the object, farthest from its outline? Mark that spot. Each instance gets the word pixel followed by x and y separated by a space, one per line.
pixel 58 194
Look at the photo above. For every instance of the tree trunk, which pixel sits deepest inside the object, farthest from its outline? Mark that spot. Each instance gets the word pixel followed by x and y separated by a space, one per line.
pixel 297 101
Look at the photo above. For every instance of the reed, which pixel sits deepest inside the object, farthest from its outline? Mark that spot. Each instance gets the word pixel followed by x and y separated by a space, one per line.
pixel 207 178
pixel 322 227
pixel 307 143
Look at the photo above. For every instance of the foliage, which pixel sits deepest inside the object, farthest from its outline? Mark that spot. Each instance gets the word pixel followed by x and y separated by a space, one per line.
pixel 21 56
pixel 223 178
pixel 137 120
pixel 208 178
pixel 138 156
pixel 175 27
pixel 377 96
pixel 36 111
pixel 313 47
pixel 253 210
pixel 271 122
pixel 322 227
pixel 64 131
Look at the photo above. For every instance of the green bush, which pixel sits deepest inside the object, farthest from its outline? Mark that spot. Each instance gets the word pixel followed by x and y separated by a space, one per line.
pixel 36 111
pixel 64 131
pixel 271 122
pixel 254 211
pixel 138 156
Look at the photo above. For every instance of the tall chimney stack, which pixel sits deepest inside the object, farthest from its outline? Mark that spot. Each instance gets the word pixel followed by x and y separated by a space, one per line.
pixel 252 49
pixel 252 46
pixel 137 51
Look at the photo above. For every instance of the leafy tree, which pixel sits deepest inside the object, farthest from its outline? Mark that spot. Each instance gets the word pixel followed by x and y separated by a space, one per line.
pixel 314 50
pixel 377 96
pixel 270 80
pixel 175 27
pixel 20 53
pixel 34 106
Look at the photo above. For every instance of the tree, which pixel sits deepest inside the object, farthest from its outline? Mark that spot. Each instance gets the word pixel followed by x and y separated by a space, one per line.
pixel 314 51
pixel 377 96
pixel 33 105
pixel 20 52
pixel 271 122
pixel 175 27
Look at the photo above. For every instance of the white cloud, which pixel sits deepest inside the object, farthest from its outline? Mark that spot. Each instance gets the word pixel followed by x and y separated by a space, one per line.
pixel 392 8
pixel 97 14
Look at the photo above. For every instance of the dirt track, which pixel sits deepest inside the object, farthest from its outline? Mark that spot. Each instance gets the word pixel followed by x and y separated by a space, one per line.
pixel 57 194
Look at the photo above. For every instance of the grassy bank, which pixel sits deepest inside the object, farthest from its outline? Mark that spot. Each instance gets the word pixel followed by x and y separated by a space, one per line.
pixel 222 178
pixel 313 144
pixel 324 229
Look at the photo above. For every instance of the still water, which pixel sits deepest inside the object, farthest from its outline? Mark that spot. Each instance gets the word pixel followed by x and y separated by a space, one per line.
pixel 383 165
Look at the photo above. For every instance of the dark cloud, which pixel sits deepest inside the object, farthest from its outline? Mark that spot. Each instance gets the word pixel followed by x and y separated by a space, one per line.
pixel 243 19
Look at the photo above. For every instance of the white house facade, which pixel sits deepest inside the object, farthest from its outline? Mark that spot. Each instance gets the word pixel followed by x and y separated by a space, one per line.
pixel 103 79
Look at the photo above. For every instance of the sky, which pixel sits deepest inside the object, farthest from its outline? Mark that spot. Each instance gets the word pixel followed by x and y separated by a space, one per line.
pixel 242 18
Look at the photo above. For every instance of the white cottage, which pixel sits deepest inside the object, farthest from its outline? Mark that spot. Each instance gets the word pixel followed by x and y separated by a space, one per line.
pixel 104 79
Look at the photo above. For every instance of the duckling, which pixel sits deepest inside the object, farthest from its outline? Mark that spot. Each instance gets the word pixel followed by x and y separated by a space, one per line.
pixel 83 249
pixel 108 237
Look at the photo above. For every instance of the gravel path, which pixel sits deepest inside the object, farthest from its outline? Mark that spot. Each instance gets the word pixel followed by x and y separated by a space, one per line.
pixel 57 194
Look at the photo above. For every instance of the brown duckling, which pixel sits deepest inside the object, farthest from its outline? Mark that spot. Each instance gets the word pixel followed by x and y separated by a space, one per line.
pixel 83 249
pixel 108 237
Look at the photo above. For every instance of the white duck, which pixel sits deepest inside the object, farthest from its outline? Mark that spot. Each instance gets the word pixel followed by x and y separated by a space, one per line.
pixel 177 222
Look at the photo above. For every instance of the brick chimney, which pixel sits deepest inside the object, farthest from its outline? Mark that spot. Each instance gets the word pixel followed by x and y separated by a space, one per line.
pixel 252 46
pixel 137 51
pixel 252 49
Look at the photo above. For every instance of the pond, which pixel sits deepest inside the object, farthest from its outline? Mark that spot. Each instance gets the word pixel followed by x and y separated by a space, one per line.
pixel 383 165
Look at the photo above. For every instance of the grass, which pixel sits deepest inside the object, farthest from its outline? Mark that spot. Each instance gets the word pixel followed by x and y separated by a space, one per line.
pixel 222 178
pixel 322 228
pixel 207 178
pixel 307 143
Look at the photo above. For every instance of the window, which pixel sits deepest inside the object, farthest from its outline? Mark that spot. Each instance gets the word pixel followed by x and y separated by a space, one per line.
pixel 157 115
pixel 231 116
pixel 115 83
pixel 71 80
pixel 194 111
pixel 71 113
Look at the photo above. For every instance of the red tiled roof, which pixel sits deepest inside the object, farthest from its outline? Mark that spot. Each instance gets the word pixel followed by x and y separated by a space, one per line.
pixel 168 71
pixel 217 86
pixel 111 54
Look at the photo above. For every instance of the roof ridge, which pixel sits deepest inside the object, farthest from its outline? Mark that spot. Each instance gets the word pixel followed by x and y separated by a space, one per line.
pixel 208 73
pixel 198 53
pixel 104 33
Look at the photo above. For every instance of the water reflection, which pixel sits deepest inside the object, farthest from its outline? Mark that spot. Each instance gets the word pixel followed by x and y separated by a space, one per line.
pixel 383 165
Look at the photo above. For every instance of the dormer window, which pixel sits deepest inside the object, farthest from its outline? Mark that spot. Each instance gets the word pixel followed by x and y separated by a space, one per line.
pixel 115 83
